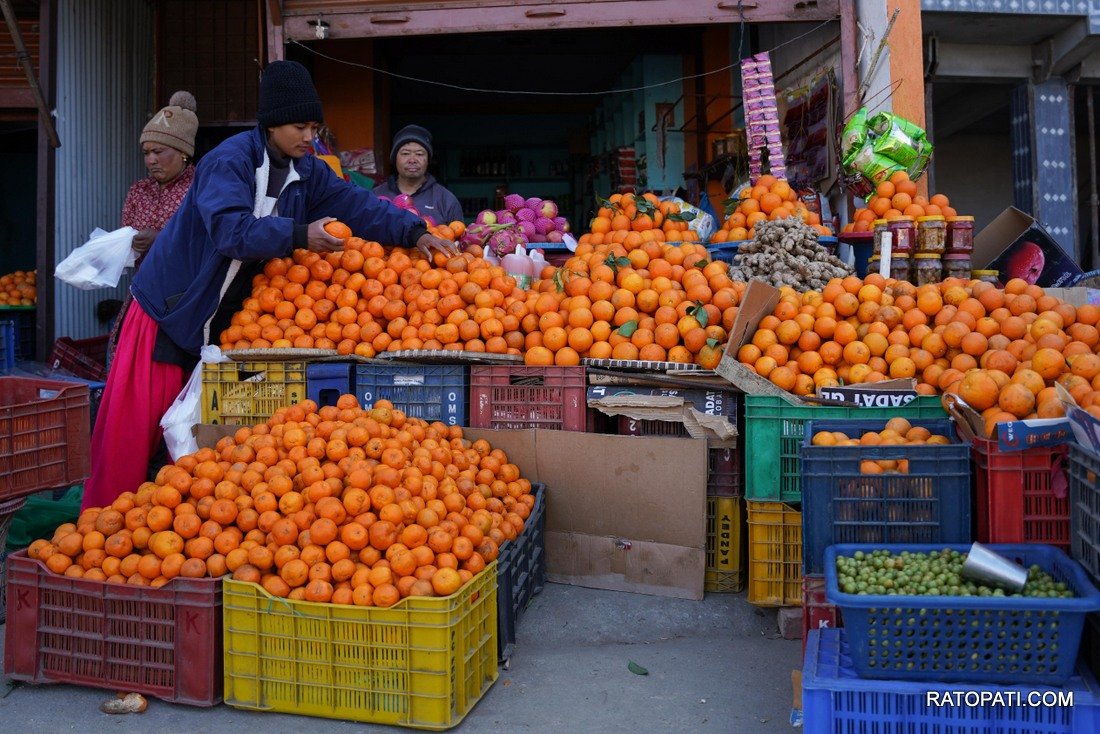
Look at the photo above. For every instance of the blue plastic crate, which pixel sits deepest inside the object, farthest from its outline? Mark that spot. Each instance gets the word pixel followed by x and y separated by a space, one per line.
pixel 835 699
pixel 521 574
pixel 967 638
pixel 930 504
pixel 7 346
pixel 428 392
pixel 25 334
pixel 327 381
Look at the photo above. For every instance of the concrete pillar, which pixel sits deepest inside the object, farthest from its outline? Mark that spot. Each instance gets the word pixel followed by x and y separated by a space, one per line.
pixel 1043 157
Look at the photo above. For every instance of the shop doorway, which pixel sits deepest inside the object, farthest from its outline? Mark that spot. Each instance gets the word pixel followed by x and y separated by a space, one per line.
pixel 18 192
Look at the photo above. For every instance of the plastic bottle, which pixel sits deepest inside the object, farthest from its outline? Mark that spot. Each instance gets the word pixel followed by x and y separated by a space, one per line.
pixel 519 266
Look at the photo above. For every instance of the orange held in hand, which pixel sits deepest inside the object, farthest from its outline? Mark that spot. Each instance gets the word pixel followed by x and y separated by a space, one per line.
pixel 339 230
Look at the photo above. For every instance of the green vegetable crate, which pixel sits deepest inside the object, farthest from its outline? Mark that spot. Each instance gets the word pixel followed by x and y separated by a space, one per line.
pixel 773 439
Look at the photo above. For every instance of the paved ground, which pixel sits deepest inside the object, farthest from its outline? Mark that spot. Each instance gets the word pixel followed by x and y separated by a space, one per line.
pixel 714 666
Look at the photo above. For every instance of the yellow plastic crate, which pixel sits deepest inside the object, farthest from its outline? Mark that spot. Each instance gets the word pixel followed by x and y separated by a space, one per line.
pixel 246 393
pixel 724 571
pixel 422 663
pixel 775 554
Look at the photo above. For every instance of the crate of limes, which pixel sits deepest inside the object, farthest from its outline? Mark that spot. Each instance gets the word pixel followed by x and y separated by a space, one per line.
pixel 911 614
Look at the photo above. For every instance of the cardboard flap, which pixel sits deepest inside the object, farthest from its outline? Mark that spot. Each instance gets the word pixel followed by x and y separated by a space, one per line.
pixel 669 408
pixel 759 301
pixel 1005 229
pixel 207 435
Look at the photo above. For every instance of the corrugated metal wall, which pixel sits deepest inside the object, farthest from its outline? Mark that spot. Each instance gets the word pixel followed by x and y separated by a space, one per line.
pixel 105 77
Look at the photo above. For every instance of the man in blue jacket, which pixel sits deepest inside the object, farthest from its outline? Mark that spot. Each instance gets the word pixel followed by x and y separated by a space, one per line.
pixel 257 196
pixel 411 154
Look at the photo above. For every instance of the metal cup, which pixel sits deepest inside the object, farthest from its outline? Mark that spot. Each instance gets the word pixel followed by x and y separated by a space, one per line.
pixel 985 566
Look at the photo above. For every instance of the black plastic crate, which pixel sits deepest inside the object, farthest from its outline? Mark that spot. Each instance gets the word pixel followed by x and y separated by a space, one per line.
pixel 521 574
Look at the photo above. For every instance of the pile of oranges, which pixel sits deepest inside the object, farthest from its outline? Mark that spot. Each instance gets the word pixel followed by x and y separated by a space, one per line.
pixel 1000 350
pixel 768 200
pixel 627 219
pixel 895 198
pixel 19 288
pixel 636 299
pixel 651 301
pixel 336 504
pixel 897 432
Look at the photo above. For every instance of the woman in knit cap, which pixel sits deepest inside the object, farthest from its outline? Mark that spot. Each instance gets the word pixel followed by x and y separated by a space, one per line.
pixel 259 195
pixel 167 145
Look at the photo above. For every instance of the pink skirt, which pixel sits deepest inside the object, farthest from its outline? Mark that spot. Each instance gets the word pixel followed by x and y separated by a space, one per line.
pixel 127 429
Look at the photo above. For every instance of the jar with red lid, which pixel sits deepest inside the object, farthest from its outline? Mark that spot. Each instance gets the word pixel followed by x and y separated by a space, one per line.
pixel 960 235
pixel 904 233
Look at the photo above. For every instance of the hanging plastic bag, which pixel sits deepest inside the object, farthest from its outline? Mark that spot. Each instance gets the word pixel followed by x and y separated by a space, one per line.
pixel 99 262
pixel 186 411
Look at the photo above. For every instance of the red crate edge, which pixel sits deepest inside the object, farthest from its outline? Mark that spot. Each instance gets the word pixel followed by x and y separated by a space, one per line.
pixel 1014 499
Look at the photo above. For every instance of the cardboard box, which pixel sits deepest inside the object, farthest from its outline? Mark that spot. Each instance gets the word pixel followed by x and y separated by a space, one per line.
pixel 703 413
pixel 1011 435
pixel 609 522
pixel 1018 247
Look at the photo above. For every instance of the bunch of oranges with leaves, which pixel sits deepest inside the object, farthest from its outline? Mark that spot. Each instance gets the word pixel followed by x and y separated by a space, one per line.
pixel 19 288
pixel 651 301
pixel 334 504
pixel 898 197
pixel 965 337
pixel 628 219
pixel 770 199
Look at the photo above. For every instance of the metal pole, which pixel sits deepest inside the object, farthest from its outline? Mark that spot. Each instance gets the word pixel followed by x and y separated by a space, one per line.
pixel 25 62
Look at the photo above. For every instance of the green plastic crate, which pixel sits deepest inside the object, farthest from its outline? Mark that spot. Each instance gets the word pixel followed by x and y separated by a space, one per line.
pixel 773 438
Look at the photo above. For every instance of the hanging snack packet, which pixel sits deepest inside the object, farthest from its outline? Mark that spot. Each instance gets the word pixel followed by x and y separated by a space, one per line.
pixel 854 134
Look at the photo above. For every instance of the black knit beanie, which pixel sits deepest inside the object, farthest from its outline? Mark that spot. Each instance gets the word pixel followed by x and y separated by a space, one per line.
pixel 287 95
pixel 411 134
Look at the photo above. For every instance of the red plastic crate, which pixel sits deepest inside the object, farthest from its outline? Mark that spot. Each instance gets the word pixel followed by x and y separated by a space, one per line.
pixel 724 469
pixel 164 642
pixel 817 613
pixel 1015 497
pixel 43 435
pixel 85 358
pixel 506 396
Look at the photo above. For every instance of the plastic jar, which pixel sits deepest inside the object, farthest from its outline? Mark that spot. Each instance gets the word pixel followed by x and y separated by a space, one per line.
pixel 873 264
pixel 899 268
pixel 879 228
pixel 927 268
pixel 905 234
pixel 960 235
pixel 987 276
pixel 956 265
pixel 931 234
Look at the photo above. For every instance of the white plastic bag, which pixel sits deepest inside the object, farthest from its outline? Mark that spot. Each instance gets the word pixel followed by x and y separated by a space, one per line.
pixel 99 262
pixel 186 411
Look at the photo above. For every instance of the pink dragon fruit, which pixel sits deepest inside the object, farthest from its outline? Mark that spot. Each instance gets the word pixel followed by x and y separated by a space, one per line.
pixel 534 203
pixel 505 217
pixel 539 237
pixel 548 209
pixel 527 228
pixel 544 225
pixel 555 236
pixel 561 224
pixel 487 216
pixel 476 234
pixel 503 242
pixel 526 215
pixel 403 201
pixel 513 202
